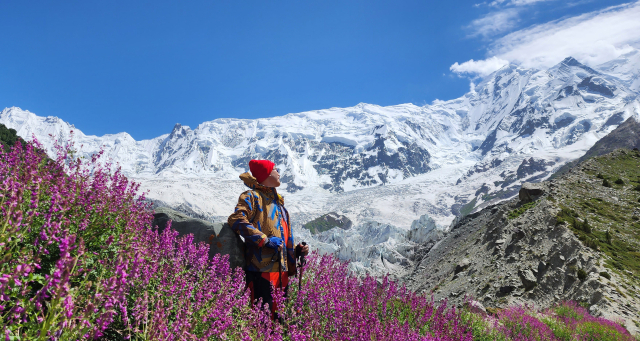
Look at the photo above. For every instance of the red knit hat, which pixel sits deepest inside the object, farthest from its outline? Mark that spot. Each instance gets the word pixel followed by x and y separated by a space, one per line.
pixel 260 169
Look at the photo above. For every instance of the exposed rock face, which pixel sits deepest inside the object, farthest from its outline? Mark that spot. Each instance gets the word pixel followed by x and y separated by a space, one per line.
pixel 531 191
pixel 327 222
pixel 529 280
pixel 182 208
pixel 532 166
pixel 462 265
pixel 219 236
pixel 507 254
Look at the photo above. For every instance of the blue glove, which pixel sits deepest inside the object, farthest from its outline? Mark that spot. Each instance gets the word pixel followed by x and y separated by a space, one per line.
pixel 273 242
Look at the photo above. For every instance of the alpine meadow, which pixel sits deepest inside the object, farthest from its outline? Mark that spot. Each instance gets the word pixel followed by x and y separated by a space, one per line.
pixel 209 170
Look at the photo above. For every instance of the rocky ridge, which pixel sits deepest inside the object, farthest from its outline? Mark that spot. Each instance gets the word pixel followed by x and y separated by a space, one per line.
pixel 536 250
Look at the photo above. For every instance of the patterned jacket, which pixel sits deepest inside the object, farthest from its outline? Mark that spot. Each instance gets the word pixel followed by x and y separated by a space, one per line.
pixel 258 216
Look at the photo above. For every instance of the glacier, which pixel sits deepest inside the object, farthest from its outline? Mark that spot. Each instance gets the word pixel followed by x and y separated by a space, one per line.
pixel 388 169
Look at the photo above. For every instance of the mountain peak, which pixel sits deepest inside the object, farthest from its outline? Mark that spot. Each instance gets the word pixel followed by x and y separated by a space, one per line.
pixel 570 61
pixel 179 130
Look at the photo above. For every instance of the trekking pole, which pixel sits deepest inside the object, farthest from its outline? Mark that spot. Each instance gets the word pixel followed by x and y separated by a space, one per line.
pixel 302 263
pixel 280 267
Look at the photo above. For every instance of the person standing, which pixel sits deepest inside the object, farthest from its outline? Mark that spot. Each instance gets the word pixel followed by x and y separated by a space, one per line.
pixel 262 220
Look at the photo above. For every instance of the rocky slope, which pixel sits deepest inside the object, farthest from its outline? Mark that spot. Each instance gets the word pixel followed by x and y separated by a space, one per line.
pixel 575 237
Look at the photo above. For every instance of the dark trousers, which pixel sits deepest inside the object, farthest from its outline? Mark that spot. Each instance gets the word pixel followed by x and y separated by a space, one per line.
pixel 261 288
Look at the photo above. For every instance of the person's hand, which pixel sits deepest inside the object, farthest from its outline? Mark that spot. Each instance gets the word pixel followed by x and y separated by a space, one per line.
pixel 304 249
pixel 274 243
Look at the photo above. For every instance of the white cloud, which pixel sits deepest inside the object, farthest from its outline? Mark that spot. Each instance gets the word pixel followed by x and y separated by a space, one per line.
pixel 501 20
pixel 497 3
pixel 592 38
pixel 480 67
pixel 495 23
pixel 525 2
pixel 472 87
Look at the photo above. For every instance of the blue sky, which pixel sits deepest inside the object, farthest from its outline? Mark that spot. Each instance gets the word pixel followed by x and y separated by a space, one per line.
pixel 142 66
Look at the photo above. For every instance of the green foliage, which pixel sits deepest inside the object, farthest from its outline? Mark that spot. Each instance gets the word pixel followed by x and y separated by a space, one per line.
pixel 585 226
pixel 582 275
pixel 560 329
pixel 606 183
pixel 520 210
pixel 481 328
pixel 8 137
pixel 566 215
pixel 596 331
pixel 582 229
pixel 613 226
pixel 568 311
pixel 590 242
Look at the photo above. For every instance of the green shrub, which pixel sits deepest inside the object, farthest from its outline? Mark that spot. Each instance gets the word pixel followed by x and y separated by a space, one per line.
pixel 481 329
pixel 608 237
pixel 596 331
pixel 606 183
pixel 619 181
pixel 518 211
pixel 605 275
pixel 8 137
pixel 599 176
pixel 566 215
pixel 592 243
pixel 585 226
pixel 582 275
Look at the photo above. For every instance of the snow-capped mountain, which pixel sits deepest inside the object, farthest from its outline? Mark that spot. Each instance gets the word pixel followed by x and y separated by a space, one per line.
pixel 380 166
pixel 625 68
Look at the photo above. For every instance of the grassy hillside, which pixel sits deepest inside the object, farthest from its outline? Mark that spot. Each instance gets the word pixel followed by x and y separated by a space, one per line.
pixel 604 210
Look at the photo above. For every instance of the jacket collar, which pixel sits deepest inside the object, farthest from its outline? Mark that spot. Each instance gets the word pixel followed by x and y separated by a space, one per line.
pixel 269 192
